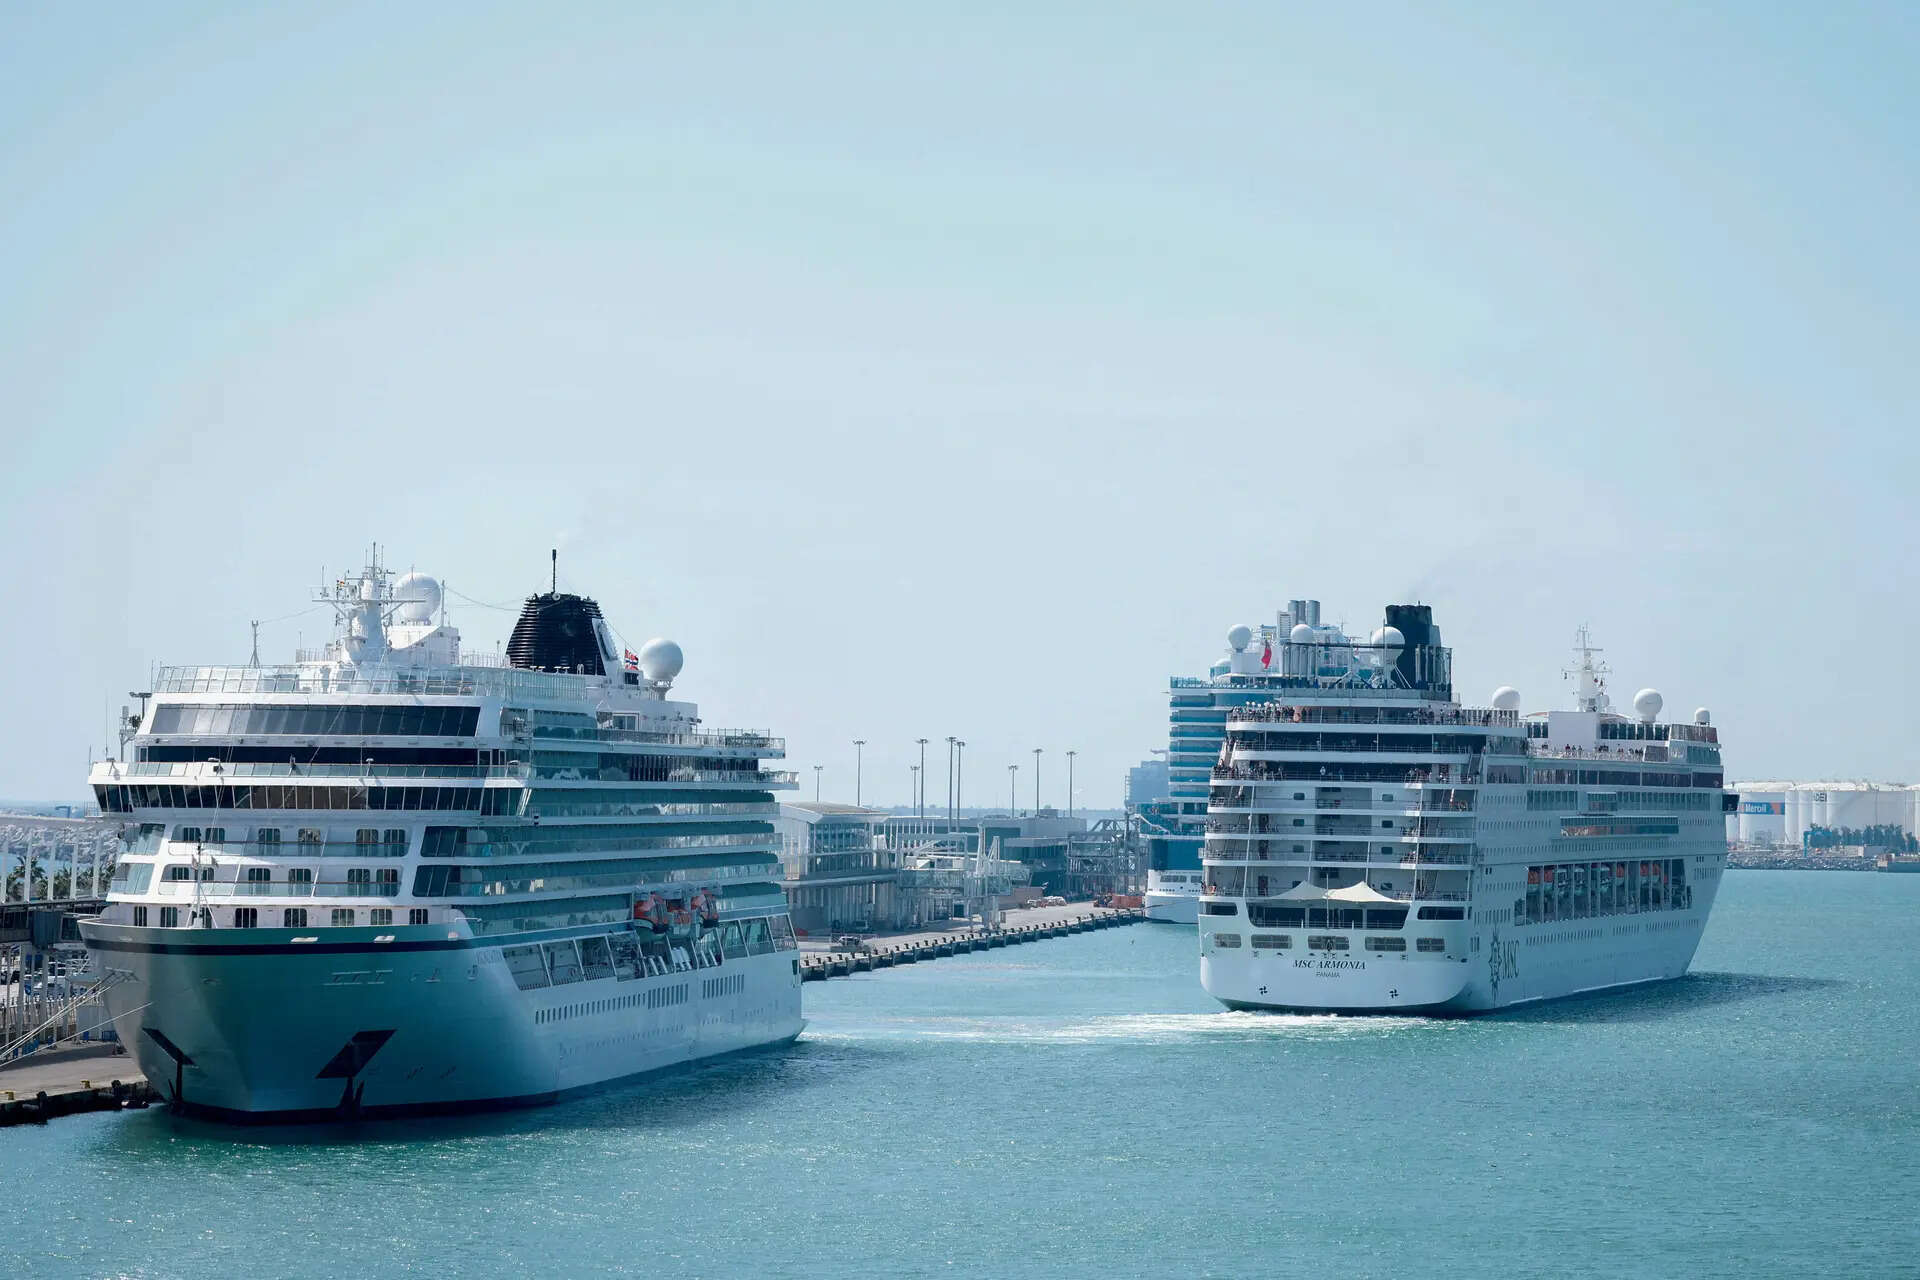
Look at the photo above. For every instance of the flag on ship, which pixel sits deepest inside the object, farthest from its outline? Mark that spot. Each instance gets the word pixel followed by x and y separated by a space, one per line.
pixel 633 659
pixel 1266 654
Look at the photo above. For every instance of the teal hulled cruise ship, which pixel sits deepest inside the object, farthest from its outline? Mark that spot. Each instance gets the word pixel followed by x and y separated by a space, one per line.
pixel 392 877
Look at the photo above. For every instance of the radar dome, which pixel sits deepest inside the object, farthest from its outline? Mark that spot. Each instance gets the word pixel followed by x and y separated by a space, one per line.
pixel 1647 704
pixel 661 660
pixel 1301 634
pixel 1388 638
pixel 1220 668
pixel 420 595
pixel 1700 716
pixel 1238 637
pixel 1506 698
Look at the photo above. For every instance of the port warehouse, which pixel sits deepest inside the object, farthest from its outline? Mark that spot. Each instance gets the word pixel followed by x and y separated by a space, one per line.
pixel 1786 814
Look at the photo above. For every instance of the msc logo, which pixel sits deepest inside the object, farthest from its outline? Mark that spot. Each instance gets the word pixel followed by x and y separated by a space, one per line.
pixel 1503 961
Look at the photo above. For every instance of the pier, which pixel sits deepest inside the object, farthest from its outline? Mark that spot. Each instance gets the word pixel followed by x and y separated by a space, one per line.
pixel 68 1081
pixel 823 960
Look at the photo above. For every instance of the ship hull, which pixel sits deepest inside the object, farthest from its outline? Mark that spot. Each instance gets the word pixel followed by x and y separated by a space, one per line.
pixel 1480 971
pixel 1172 908
pixel 272 1031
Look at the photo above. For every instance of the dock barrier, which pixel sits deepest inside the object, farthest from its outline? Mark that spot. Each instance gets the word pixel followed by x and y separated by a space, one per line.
pixel 840 964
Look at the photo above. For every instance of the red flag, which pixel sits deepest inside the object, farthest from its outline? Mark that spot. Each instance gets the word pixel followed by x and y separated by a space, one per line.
pixel 1266 654
pixel 633 659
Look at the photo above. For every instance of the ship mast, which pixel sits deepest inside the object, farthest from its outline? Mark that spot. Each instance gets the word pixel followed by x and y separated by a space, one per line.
pixel 1590 693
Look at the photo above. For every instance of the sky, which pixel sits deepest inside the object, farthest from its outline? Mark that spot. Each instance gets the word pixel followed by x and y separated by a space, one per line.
pixel 970 369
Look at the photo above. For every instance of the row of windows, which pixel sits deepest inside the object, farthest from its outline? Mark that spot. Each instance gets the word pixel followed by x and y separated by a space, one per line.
pixel 1590 777
pixel 607 766
pixel 550 877
pixel 127 798
pixel 521 842
pixel 1437 744
pixel 630 802
pixel 714 988
pixel 307 720
pixel 290 918
pixel 654 999
pixel 391 840
pixel 626 955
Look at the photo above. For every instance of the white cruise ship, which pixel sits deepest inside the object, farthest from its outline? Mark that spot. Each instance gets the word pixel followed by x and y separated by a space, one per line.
pixel 1373 846
pixel 391 878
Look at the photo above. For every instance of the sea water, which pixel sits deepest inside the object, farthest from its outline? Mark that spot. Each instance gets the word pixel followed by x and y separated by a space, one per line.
pixel 1078 1106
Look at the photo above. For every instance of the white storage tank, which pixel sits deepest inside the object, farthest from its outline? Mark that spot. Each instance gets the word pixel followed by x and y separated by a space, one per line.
pixel 1762 818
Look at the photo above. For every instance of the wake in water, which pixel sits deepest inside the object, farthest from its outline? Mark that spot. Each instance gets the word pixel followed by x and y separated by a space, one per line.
pixel 1128 1028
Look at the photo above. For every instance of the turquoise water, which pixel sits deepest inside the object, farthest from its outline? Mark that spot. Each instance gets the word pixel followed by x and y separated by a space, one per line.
pixel 1078 1106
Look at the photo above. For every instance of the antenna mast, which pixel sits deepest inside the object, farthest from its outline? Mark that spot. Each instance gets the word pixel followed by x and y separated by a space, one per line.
pixel 554 586
pixel 254 661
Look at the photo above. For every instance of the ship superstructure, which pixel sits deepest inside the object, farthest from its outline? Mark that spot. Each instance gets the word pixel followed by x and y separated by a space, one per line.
pixel 392 876
pixel 1174 829
pixel 1374 846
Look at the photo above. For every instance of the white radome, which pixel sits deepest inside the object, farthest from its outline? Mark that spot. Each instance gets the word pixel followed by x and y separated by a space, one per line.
pixel 1647 704
pixel 661 660
pixel 1301 634
pixel 1239 638
pixel 1388 638
pixel 422 596
pixel 1506 698
pixel 1700 716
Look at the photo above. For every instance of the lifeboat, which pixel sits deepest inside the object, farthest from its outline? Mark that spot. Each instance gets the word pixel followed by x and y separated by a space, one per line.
pixel 651 910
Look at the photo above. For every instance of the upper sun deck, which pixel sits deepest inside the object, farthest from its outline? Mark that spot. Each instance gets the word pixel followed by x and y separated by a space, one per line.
pixel 467 679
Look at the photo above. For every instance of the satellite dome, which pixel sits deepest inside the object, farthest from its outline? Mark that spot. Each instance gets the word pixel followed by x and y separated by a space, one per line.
pixel 1238 637
pixel 1388 638
pixel 1700 716
pixel 1506 698
pixel 661 660
pixel 1301 634
pixel 420 595
pixel 1647 704
pixel 1220 668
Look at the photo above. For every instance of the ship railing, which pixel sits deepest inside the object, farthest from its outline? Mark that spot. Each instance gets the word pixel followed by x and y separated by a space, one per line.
pixel 1275 771
pixel 1276 712
pixel 224 890
pixel 193 768
pixel 1655 754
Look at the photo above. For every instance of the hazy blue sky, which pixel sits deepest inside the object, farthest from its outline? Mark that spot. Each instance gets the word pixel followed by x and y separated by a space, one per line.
pixel 970 372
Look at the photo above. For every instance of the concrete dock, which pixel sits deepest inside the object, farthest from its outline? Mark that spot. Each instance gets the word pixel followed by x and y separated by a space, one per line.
pixel 822 958
pixel 58 1082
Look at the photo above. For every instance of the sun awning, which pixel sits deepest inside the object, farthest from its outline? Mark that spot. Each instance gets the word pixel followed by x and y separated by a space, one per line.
pixel 1362 892
pixel 1305 892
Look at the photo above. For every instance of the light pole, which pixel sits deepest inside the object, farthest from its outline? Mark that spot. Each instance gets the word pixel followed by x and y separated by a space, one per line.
pixel 950 741
pixel 920 775
pixel 816 782
pixel 1070 756
pixel 1013 808
pixel 1036 781
pixel 915 770
pixel 859 753
pixel 959 775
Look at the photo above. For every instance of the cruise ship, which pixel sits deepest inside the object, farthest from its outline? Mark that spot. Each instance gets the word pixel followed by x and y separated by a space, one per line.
pixel 392 878
pixel 1174 828
pixel 1373 846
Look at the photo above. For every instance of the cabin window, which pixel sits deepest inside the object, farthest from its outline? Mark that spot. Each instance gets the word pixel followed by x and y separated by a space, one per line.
pixel 1326 942
pixel 140 917
pixel 1386 944
pixel 417 915
pixel 343 916
pixel 1431 944
pixel 380 915
pixel 1272 941
pixel 293 918
pixel 169 917
pixel 246 917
